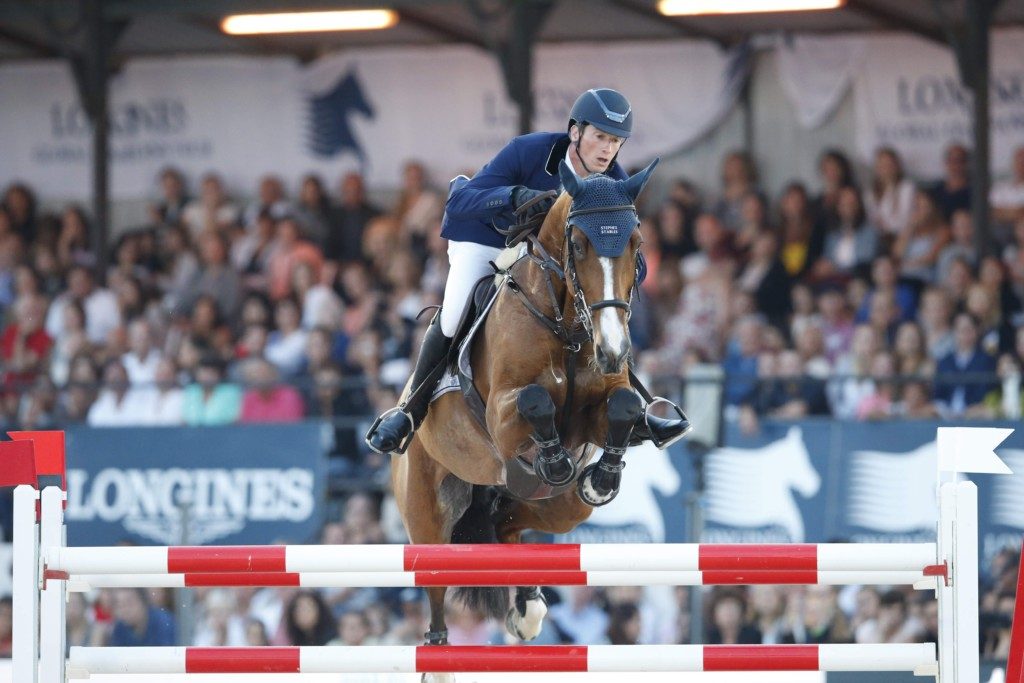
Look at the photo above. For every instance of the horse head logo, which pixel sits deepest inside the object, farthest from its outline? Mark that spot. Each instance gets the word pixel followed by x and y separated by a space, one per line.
pixel 893 492
pixel 330 118
pixel 753 488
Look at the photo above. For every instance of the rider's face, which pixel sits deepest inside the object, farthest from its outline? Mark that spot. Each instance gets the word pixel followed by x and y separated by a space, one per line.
pixel 596 149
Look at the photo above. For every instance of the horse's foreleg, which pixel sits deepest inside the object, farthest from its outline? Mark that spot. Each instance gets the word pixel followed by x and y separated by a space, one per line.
pixel 553 463
pixel 526 616
pixel 599 483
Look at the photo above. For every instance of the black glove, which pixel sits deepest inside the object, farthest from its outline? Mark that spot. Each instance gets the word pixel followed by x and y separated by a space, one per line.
pixel 528 203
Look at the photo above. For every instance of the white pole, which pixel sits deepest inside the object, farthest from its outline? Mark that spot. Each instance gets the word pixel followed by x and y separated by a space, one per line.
pixel 965 583
pixel 25 644
pixel 52 625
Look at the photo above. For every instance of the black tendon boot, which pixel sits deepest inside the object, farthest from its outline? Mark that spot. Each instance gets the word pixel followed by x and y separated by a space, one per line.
pixel 392 431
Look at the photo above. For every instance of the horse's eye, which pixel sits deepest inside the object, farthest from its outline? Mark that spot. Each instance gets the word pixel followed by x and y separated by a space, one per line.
pixel 579 248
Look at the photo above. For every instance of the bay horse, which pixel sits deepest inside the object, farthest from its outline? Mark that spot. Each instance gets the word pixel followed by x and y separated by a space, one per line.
pixel 470 480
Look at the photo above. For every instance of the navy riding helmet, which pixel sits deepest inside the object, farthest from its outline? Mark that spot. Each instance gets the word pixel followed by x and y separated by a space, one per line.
pixel 603 108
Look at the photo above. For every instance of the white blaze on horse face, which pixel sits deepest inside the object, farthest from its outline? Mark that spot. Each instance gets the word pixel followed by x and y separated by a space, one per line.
pixel 613 331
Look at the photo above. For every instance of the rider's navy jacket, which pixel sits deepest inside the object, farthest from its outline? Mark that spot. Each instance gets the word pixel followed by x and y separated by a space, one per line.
pixel 529 160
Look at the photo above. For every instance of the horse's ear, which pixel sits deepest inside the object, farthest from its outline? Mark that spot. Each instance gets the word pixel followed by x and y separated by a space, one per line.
pixel 635 184
pixel 569 180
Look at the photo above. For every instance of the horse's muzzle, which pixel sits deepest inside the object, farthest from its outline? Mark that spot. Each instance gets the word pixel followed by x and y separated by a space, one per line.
pixel 610 361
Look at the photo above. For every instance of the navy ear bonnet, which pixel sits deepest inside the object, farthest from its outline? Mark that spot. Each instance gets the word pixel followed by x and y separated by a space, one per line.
pixel 609 231
pixel 602 207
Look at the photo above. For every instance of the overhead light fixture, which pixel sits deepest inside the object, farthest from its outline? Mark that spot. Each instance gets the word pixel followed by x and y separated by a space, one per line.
pixel 308 22
pixel 680 8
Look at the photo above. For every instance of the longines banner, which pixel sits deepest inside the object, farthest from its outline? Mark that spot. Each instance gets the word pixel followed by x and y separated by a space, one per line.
pixel 368 109
pixel 908 95
pixel 253 484
pixel 809 481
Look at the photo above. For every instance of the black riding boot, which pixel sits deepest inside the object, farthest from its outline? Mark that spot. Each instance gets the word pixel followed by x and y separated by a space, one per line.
pixel 663 432
pixel 393 430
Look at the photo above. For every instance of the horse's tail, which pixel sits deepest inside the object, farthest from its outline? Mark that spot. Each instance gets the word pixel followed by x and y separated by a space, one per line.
pixel 476 526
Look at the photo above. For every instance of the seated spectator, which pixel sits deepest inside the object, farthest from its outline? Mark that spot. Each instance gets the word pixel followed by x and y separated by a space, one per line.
pixel 885 279
pixel 270 198
pixel 118 404
pixel 216 278
pixel 852 243
pixel 137 624
pixel 766 279
pixel 823 621
pixel 307 620
pixel 180 266
pixel 739 179
pixel 740 362
pixel 1004 402
pixel 252 250
pixel 418 206
pixel 713 247
pixel 728 621
pixel 19 203
pixel 164 399
pixel 83 381
pixel 219 625
pixel 265 398
pixel 212 211
pixel 142 358
pixel 291 250
pixel 624 624
pixel 348 222
pixel 912 358
pixel 916 402
pixel 893 623
pixel 954 190
pixel 286 345
pixel 836 173
pixel 880 404
pixel 169 208
pixel 961 245
pixel 1007 196
pixel 890 198
pixel 768 604
pixel 960 383
pixel 321 305
pixel 209 401
pixel 918 248
pixel 792 393
pixel 353 629
pixel 74 247
pixel 852 383
pixel 674 225
pixel 24 349
pixel 835 322
pixel 936 321
pixel 579 619
pixel 801 236
pixel 102 314
pixel 754 222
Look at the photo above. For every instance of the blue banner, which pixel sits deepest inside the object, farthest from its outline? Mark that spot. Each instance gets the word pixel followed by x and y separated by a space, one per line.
pixel 809 481
pixel 251 484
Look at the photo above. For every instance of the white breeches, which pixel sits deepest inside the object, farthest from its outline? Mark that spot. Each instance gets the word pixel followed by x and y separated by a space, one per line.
pixel 468 262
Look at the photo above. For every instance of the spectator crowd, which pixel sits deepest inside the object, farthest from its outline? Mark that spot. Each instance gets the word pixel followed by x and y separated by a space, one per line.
pixel 863 297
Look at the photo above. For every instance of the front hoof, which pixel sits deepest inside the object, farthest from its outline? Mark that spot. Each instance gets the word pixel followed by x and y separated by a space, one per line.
pixel 555 470
pixel 526 625
pixel 598 486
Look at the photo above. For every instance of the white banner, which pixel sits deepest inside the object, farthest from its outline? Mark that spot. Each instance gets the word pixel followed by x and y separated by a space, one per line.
pixel 369 109
pixel 908 96
pixel 816 72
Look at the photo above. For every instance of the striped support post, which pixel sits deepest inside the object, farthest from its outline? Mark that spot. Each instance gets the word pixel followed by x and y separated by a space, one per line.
pixel 86 582
pixel 25 587
pixel 918 658
pixel 809 558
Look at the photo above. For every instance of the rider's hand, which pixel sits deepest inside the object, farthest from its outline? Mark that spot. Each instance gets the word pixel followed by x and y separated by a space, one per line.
pixel 528 203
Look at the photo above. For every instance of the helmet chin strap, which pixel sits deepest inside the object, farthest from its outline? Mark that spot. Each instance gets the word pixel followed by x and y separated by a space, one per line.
pixel 579 155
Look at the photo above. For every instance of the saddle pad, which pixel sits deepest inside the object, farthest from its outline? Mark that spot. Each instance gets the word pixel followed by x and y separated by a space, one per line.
pixel 449 382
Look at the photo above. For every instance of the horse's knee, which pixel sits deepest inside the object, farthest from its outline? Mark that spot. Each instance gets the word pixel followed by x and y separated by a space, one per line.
pixel 534 403
pixel 624 406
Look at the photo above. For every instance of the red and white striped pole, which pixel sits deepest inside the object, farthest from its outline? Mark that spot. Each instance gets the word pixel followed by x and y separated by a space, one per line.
pixel 918 658
pixel 86 582
pixel 534 557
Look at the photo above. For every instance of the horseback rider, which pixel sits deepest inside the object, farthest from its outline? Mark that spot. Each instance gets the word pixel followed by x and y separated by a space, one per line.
pixel 514 187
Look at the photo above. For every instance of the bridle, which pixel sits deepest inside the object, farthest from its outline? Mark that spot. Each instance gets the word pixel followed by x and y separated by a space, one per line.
pixel 584 313
pixel 581 329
